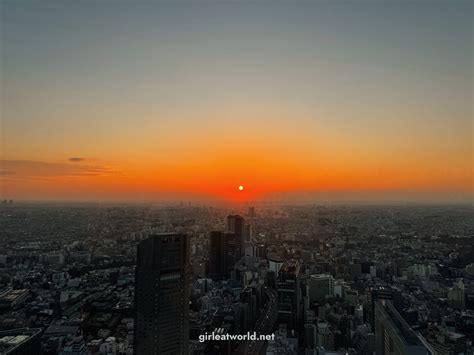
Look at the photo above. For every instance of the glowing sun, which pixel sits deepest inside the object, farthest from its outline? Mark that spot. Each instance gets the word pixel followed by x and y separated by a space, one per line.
pixel 241 188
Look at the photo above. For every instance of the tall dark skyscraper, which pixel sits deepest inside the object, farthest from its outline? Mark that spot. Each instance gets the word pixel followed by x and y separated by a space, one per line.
pixel 162 295
pixel 216 255
pixel 289 297
pixel 224 252
pixel 235 224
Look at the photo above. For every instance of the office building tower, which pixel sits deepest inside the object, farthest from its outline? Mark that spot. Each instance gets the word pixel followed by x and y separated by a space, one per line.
pixel 393 335
pixel 310 336
pixel 384 293
pixel 249 249
pixel 251 212
pixel 248 232
pixel 275 264
pixel 456 297
pixel 235 224
pixel 216 255
pixel 325 337
pixel 162 295
pixel 319 287
pixel 261 251
pixel 248 297
pixel 224 252
pixel 289 295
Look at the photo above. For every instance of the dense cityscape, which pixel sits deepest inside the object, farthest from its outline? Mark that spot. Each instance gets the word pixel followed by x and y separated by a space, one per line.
pixel 156 279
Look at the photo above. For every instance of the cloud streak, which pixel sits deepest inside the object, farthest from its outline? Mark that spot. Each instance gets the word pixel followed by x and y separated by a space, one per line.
pixel 31 169
pixel 76 159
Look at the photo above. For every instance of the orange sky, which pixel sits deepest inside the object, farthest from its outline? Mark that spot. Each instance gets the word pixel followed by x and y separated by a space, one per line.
pixel 310 100
pixel 264 173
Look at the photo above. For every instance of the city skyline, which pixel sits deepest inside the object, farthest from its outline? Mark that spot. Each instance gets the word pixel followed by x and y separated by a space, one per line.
pixel 300 101
pixel 172 279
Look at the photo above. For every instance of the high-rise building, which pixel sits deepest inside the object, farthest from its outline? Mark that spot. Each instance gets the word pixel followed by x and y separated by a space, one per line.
pixel 310 336
pixel 249 249
pixel 224 252
pixel 162 295
pixel 248 297
pixel 445 341
pixel 325 337
pixel 248 232
pixel 236 224
pixel 384 293
pixel 319 286
pixel 289 295
pixel 251 212
pixel 456 295
pixel 393 334
pixel 216 255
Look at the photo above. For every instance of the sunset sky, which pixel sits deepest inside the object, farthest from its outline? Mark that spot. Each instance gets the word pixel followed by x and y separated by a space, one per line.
pixel 294 100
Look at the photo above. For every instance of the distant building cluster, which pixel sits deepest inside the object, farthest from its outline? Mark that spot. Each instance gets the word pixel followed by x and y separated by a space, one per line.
pixel 153 279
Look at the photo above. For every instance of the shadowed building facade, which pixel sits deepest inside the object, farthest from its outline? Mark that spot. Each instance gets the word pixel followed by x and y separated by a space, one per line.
pixel 394 336
pixel 162 295
pixel 289 297
pixel 224 252
pixel 236 224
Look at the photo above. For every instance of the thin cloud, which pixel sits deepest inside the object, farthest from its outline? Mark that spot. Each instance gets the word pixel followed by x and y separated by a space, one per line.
pixel 76 159
pixel 40 170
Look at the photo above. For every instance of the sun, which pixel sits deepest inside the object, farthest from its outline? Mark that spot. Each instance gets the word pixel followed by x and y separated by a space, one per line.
pixel 241 187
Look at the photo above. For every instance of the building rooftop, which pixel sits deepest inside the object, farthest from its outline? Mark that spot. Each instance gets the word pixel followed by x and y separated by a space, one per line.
pixel 12 339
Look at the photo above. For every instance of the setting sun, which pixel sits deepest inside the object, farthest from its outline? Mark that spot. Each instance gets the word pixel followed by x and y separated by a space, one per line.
pixel 259 93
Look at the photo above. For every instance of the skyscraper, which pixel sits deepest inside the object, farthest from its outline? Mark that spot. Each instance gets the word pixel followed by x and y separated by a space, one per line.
pixel 249 249
pixel 216 255
pixel 224 252
pixel 289 297
pixel 162 295
pixel 384 293
pixel 319 286
pixel 456 295
pixel 251 212
pixel 394 335
pixel 235 224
